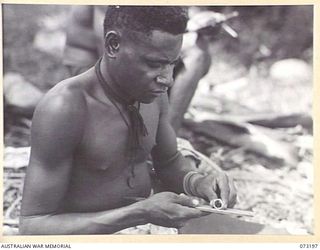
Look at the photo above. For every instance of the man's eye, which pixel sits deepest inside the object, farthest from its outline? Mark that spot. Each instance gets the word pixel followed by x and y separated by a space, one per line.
pixel 154 65
pixel 176 62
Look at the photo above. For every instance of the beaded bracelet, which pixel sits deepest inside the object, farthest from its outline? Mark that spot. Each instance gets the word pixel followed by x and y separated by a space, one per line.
pixel 186 183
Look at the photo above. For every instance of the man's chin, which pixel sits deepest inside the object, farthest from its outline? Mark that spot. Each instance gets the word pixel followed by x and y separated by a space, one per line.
pixel 148 100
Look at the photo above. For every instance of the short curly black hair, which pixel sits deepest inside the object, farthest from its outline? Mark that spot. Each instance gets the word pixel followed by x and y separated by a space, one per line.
pixel 171 19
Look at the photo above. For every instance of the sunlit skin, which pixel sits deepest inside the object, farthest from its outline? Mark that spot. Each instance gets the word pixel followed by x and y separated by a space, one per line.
pixel 148 64
pixel 76 180
pixel 79 142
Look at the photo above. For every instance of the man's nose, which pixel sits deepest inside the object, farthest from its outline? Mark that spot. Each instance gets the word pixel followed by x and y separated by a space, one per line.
pixel 166 76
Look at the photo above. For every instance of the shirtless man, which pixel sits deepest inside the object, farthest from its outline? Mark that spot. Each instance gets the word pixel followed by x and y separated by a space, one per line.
pixel 92 135
pixel 85 42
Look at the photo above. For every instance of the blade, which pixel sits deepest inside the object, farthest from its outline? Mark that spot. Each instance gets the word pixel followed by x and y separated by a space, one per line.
pixel 226 211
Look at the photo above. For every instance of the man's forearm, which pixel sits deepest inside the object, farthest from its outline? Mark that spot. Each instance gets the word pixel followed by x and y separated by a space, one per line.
pixel 196 66
pixel 173 172
pixel 105 222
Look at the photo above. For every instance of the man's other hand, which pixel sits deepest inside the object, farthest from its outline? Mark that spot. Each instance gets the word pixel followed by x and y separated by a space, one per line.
pixel 170 210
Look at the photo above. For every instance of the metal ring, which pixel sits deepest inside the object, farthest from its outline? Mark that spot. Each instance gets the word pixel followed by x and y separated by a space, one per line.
pixel 216 203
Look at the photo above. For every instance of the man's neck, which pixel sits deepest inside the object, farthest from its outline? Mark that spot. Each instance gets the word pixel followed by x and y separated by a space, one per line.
pixel 116 86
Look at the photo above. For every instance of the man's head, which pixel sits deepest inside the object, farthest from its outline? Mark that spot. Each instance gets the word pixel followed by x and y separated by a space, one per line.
pixel 142 44
pixel 145 19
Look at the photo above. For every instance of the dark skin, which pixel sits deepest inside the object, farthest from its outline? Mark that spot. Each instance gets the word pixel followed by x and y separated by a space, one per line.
pixel 76 181
pixel 81 54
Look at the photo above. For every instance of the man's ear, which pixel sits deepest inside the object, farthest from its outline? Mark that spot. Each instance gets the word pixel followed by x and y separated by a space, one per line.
pixel 112 43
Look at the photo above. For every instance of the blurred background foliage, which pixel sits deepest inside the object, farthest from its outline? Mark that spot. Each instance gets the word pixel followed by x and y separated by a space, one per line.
pixel 287 31
pixel 265 33
pixel 21 23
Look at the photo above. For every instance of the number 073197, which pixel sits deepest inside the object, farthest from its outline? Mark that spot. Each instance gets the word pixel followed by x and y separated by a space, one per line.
pixel 309 246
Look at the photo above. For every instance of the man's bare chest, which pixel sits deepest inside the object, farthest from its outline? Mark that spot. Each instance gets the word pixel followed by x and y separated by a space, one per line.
pixel 104 144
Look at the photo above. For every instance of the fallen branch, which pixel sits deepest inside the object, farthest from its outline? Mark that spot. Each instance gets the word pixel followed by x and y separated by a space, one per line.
pixel 14 175
pixel 201 111
pixel 11 222
pixel 247 136
pixel 12 207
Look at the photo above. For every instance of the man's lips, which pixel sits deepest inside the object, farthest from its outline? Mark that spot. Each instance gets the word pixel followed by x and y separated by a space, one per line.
pixel 159 91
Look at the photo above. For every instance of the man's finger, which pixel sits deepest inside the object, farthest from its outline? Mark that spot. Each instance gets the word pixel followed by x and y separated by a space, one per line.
pixel 189 212
pixel 223 185
pixel 209 191
pixel 208 188
pixel 233 193
pixel 201 200
pixel 185 200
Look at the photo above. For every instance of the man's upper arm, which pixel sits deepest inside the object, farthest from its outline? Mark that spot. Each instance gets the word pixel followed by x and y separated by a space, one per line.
pixel 56 132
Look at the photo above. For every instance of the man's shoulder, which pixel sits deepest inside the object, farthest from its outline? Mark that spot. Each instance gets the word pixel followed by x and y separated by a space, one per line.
pixel 64 98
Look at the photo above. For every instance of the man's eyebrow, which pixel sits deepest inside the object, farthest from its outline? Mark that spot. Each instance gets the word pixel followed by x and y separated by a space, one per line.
pixel 164 61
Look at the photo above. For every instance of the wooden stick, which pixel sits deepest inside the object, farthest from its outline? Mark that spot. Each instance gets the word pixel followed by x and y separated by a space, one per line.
pixel 11 222
pixel 12 207
pixel 205 208
pixel 228 211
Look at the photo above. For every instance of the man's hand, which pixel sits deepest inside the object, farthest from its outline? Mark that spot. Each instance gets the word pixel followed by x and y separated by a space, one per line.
pixel 205 20
pixel 215 185
pixel 171 210
pixel 208 26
